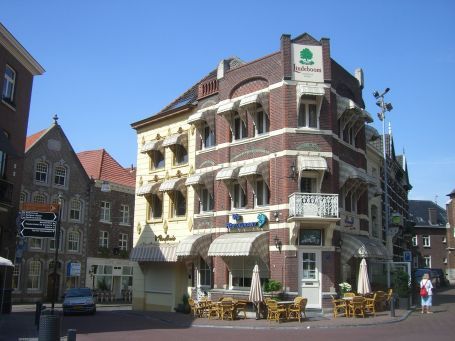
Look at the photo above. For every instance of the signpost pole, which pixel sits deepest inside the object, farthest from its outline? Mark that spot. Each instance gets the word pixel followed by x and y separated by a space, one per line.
pixel 57 244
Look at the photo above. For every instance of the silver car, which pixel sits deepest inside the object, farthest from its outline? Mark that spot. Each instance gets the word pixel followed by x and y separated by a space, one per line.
pixel 79 300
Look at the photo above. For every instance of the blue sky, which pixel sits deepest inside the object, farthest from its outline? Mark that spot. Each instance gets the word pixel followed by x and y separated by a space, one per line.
pixel 111 63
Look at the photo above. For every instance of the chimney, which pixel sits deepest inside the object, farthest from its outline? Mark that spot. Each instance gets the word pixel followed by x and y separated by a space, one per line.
pixel 432 216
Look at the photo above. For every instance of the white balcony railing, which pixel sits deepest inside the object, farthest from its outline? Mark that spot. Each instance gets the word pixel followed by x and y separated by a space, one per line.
pixel 313 205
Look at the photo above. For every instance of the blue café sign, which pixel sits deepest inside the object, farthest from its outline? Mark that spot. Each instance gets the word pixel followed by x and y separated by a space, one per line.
pixel 239 224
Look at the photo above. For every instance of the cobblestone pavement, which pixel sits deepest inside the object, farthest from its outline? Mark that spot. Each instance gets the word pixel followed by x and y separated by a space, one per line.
pixel 119 322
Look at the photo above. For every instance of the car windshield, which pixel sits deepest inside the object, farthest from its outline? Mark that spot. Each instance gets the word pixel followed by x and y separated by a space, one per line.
pixel 82 292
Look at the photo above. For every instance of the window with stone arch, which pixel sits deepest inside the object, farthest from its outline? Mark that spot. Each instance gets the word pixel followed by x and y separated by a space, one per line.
pixel 41 172
pixel 34 275
pixel 39 198
pixel 60 176
pixel 74 241
pixel 75 210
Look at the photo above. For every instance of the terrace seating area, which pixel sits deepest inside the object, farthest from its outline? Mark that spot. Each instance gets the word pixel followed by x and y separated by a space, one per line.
pixel 356 305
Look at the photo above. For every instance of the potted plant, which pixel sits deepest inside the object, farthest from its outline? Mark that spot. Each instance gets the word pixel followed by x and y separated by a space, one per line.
pixel 272 286
pixel 400 280
pixel 344 288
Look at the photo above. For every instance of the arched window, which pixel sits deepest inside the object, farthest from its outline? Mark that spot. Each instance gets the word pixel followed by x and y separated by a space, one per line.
pixel 60 176
pixel 41 172
pixel 262 121
pixel 39 198
pixel 75 209
pixel 239 130
pixel 73 241
pixel 34 275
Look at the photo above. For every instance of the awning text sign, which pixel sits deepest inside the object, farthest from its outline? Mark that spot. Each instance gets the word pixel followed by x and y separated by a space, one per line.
pixel 38 224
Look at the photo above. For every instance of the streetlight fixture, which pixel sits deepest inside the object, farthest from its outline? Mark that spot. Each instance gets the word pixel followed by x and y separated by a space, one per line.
pixel 384 108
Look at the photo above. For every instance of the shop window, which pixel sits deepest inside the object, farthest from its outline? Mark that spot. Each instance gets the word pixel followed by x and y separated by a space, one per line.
pixel 308 116
pixel 155 207
pixel 208 136
pixel 157 159
pixel 262 193
pixel 41 172
pixel 206 200
pixel 238 196
pixel 34 275
pixel 239 130
pixel 241 271
pixel 178 203
pixel 9 85
pixel 205 274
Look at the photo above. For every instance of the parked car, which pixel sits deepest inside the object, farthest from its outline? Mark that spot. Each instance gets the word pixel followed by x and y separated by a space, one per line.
pixel 442 281
pixel 79 300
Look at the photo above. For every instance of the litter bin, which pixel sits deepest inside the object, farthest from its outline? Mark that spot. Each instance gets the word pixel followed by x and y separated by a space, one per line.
pixel 49 326
pixel 5 301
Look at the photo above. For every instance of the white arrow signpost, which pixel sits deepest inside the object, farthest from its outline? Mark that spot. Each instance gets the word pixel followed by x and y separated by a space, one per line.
pixel 38 224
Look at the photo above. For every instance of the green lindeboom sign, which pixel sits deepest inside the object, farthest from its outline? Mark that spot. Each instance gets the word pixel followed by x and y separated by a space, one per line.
pixel 260 222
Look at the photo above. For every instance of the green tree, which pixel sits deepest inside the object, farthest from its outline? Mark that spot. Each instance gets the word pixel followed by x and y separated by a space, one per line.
pixel 306 55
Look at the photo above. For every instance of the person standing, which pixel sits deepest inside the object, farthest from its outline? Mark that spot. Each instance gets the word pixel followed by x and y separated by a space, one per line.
pixel 426 300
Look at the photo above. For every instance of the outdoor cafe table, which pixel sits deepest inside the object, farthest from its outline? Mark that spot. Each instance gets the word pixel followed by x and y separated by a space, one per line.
pixel 286 305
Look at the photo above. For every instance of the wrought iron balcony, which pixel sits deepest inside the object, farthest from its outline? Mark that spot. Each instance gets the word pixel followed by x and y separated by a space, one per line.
pixel 313 205
pixel 6 192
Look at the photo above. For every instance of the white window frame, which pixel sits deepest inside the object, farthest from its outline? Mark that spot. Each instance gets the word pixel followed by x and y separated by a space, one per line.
pixel 125 213
pixel 60 242
pixel 39 198
pixel 261 190
pixel 123 242
pixel 31 243
pixel 206 200
pixel 105 211
pixel 242 128
pixel 35 267
pixel 103 239
pixel 426 241
pixel 175 197
pixel 75 210
pixel 60 174
pixel 74 238
pixel 415 240
pixel 41 168
pixel 305 103
pixel 9 85
pixel 239 197
pixel 427 261
pixel 206 269
pixel 16 277
pixel 264 121
pixel 207 136
pixel 180 153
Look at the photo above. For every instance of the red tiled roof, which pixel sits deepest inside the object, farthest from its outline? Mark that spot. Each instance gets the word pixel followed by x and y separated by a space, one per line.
pixel 30 141
pixel 100 165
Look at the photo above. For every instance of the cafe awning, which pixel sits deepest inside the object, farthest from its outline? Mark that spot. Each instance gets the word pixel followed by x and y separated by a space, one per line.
pixel 362 247
pixel 240 244
pixel 154 253
pixel 148 188
pixel 172 185
pixel 194 245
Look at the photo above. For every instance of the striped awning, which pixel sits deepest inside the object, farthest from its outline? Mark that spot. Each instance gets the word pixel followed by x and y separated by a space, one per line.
pixel 172 185
pixel 230 173
pixel 362 247
pixel 311 90
pixel 311 163
pixel 151 145
pixel 348 172
pixel 249 100
pixel 199 178
pixel 258 168
pixel 225 108
pixel 148 188
pixel 196 117
pixel 194 245
pixel 175 139
pixel 345 104
pixel 202 115
pixel 154 253
pixel 241 244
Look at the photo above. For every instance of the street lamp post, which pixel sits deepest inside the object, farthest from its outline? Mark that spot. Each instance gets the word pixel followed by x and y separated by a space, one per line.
pixel 384 108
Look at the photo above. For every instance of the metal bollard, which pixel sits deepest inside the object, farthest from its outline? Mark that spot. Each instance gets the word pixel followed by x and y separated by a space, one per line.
pixel 38 308
pixel 71 335
pixel 49 329
pixel 392 306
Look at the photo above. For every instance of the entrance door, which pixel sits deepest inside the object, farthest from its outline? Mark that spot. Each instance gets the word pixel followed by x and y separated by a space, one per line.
pixel 310 278
pixel 50 283
pixel 116 286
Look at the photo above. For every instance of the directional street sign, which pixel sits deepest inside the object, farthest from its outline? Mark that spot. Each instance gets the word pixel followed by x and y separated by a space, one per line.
pixel 38 224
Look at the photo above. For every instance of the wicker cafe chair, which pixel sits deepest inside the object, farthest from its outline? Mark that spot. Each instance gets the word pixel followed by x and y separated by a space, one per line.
pixel 357 306
pixel 196 310
pixel 296 309
pixel 340 307
pixel 389 297
pixel 227 309
pixel 240 307
pixel 370 304
pixel 349 294
pixel 381 300
pixel 275 312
